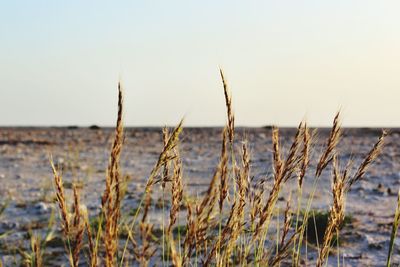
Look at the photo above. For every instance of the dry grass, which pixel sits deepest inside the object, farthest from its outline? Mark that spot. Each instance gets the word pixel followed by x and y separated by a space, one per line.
pixel 36 246
pixel 91 244
pixel 111 200
pixel 340 186
pixel 332 142
pixel 230 224
pixel 59 187
pixel 395 226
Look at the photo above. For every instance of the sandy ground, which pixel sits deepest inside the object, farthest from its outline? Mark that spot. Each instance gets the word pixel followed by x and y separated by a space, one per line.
pixel 26 178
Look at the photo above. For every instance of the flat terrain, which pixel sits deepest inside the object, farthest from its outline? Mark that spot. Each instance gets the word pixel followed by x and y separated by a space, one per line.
pixel 26 178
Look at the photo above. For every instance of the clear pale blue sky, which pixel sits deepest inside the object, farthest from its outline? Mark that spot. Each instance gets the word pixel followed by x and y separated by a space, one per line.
pixel 284 60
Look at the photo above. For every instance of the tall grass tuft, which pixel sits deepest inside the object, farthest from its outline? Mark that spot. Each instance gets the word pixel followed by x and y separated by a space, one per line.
pixel 340 186
pixel 229 225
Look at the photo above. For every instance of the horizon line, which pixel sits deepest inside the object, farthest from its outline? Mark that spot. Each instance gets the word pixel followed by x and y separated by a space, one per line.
pixel 78 126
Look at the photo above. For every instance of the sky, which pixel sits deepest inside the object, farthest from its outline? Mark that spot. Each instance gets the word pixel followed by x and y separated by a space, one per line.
pixel 285 61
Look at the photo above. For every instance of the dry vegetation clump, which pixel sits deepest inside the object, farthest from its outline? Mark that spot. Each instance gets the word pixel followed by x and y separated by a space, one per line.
pixel 230 225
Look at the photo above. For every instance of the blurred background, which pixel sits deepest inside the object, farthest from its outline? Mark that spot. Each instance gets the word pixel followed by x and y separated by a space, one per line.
pixel 284 61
